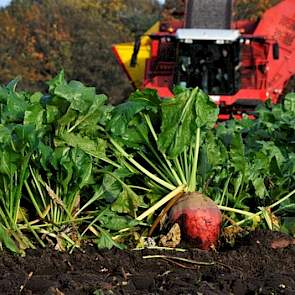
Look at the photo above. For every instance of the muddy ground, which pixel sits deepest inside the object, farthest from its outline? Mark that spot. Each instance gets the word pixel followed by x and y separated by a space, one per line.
pixel 260 263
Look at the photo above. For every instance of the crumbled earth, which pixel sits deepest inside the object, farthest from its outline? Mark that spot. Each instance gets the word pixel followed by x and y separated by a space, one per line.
pixel 263 262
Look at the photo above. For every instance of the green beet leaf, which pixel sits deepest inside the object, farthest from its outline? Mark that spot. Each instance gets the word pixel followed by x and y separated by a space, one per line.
pixel 106 241
pixel 34 115
pixel 58 80
pixel 52 113
pixel 94 147
pixel 16 107
pixel 147 101
pixel 82 166
pixel 289 103
pixel 181 116
pixel 7 241
pixel 136 135
pixel 177 129
pixel 79 96
pixel 127 202
pixel 206 110
pixel 111 220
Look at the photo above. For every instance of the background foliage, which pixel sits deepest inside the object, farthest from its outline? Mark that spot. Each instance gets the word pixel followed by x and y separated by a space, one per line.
pixel 38 38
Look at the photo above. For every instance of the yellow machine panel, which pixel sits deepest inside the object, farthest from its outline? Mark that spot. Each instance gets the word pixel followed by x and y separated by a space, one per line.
pixel 124 51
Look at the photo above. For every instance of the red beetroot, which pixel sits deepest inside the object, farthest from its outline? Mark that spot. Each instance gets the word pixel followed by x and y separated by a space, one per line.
pixel 199 219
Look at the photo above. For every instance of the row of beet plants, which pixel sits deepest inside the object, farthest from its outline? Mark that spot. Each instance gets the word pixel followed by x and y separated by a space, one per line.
pixel 74 169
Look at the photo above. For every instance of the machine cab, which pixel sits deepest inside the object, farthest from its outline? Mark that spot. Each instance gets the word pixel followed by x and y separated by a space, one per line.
pixel 231 67
pixel 209 59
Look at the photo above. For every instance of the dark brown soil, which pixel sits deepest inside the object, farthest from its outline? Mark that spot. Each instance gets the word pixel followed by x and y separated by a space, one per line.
pixel 251 267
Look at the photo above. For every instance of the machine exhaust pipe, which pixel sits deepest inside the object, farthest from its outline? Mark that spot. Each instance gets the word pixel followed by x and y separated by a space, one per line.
pixel 208 14
pixel 136 47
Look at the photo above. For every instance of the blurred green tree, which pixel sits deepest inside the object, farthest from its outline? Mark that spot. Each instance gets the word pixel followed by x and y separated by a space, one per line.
pixel 39 38
pixel 252 9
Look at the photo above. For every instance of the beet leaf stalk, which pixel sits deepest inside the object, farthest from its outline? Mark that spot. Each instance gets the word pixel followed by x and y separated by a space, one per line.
pixel 192 182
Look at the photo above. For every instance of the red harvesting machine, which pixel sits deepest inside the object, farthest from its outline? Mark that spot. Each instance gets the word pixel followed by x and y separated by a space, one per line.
pixel 239 64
